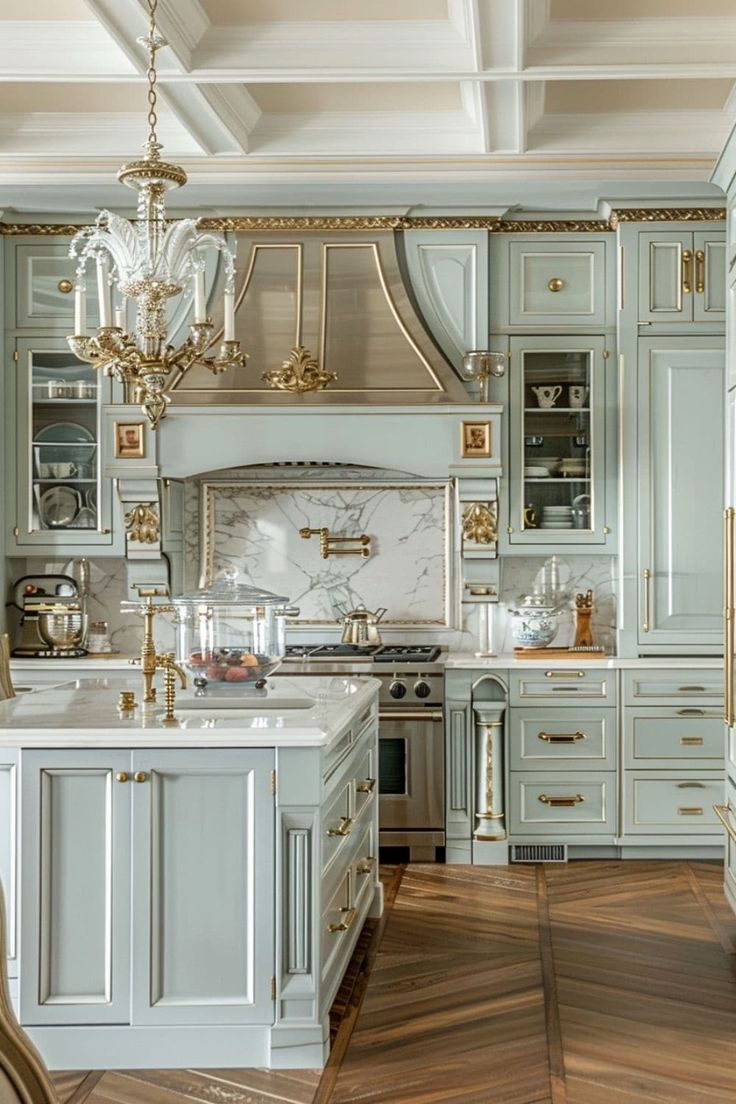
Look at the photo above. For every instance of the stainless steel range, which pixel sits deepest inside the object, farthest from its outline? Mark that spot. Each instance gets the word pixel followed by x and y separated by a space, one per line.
pixel 411 767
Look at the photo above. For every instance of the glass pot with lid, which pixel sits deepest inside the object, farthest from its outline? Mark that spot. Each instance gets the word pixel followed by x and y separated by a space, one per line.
pixel 231 635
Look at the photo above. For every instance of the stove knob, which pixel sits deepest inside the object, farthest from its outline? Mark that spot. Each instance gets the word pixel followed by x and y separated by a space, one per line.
pixel 397 689
pixel 422 689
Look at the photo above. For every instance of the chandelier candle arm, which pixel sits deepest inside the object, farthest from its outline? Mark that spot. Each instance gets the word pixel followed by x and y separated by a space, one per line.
pixel 151 260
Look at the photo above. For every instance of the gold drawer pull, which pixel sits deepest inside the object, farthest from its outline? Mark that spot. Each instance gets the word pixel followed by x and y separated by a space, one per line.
pixel 367 786
pixel 365 866
pixel 564 674
pixel 691 785
pixel 700 271
pixel 555 284
pixel 690 712
pixel 690 689
pixel 121 776
pixel 646 621
pixel 65 286
pixel 691 741
pixel 344 828
pixel 561 802
pixel 723 812
pixel 690 810
pixel 561 737
pixel 140 776
pixel 349 916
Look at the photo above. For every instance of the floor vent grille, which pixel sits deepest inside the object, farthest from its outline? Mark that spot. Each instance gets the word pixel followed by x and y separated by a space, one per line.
pixel 538 853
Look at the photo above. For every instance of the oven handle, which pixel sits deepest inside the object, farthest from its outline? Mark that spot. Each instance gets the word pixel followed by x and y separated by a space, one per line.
pixel 411 715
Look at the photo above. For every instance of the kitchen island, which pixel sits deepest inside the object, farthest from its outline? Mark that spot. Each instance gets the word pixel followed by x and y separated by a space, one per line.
pixel 186 894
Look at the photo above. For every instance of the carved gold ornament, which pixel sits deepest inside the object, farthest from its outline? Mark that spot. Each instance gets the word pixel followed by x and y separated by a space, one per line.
pixel 299 373
pixel 142 524
pixel 479 524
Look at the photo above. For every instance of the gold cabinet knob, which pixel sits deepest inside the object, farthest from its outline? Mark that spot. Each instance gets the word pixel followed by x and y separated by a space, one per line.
pixel 65 286
pixel 140 776
pixel 555 284
pixel 121 776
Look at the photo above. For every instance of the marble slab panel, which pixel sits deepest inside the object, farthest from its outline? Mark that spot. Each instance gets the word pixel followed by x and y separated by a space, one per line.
pixel 255 528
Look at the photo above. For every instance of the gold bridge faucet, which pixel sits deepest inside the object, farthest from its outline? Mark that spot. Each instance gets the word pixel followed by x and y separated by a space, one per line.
pixel 151 661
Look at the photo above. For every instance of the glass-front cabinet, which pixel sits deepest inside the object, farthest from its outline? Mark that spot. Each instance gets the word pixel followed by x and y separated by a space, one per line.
pixel 557 441
pixel 62 500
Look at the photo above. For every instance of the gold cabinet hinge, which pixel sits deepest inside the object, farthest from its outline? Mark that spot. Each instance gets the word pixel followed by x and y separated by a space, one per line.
pixel 273 781
pixel 273 988
pixel 16 355
pixel 16 531
pixel 606 354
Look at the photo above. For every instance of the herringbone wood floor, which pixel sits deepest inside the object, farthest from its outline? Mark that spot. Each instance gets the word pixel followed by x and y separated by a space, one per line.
pixel 595 982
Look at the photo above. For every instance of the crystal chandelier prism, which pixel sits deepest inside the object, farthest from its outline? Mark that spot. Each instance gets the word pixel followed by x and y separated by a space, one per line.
pixel 151 261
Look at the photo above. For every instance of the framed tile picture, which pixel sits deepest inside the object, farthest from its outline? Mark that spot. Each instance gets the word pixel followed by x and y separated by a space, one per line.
pixel 129 440
pixel 475 440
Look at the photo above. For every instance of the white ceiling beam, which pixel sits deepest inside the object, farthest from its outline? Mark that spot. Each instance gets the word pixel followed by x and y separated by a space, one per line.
pixel 504 117
pixel 35 49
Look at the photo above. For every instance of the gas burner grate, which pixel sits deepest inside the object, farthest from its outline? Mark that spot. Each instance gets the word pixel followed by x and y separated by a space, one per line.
pixel 407 653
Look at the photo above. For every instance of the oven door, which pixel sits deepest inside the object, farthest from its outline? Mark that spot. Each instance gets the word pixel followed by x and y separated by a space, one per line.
pixel 411 769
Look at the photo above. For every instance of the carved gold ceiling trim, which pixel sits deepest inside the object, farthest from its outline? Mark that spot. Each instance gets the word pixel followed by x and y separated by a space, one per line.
pixel 494 223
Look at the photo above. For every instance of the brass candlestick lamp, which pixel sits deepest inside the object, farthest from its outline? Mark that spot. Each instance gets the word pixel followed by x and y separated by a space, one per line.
pixel 151 661
pixel 481 364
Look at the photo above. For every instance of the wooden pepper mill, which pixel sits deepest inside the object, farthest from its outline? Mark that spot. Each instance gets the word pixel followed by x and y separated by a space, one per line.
pixel 583 612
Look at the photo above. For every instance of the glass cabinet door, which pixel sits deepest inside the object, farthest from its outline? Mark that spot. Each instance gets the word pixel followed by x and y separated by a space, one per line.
pixel 61 498
pixel 557 427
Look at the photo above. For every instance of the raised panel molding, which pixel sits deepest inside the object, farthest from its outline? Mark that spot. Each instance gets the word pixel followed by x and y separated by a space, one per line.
pixel 451 278
pixel 8 850
pixel 298 897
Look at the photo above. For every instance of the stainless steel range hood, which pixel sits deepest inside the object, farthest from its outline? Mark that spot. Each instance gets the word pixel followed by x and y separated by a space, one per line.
pixel 341 297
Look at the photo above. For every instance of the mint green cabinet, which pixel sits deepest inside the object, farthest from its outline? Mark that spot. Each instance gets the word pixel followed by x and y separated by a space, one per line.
pixel 76 903
pixel 682 276
pixel 55 445
pixel 559 442
pixel 40 277
pixel 148 887
pixel 563 281
pixel 680 471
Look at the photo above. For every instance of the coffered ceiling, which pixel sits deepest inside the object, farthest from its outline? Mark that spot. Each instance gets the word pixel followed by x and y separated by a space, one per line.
pixel 287 101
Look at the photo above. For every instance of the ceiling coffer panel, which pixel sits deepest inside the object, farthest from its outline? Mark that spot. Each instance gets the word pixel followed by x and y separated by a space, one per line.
pixel 341 300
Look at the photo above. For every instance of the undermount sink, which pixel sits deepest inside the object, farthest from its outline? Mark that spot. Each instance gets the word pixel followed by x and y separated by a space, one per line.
pixel 226 703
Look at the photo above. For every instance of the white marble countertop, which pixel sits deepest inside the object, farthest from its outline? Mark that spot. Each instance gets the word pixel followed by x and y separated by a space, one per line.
pixel 83 713
pixel 509 662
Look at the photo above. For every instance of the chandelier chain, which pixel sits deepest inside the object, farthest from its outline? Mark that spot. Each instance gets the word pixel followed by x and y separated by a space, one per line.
pixel 151 74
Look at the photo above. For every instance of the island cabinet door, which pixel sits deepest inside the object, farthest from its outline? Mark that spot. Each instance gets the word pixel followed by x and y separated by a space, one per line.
pixel 75 903
pixel 203 887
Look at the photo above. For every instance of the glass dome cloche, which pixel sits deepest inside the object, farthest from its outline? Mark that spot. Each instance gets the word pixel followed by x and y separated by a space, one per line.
pixel 231 635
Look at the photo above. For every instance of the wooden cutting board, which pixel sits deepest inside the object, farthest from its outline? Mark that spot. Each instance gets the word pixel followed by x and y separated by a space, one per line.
pixel 578 654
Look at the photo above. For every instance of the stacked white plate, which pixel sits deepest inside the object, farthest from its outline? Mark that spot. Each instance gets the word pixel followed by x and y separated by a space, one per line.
pixel 556 517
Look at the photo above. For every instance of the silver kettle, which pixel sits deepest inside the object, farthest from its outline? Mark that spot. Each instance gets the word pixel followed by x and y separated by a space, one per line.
pixel 360 625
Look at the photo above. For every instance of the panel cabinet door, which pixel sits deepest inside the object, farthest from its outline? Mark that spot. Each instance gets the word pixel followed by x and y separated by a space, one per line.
pixel 448 273
pixel 75 907
pixel 8 851
pixel 680 451
pixel 203 853
pixel 44 286
pixel 682 276
pixel 709 297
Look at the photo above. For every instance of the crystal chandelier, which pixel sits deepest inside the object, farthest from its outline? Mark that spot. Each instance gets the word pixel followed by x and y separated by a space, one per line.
pixel 150 261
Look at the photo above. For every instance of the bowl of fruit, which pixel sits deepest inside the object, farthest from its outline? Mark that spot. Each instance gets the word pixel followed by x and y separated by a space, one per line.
pixel 231 635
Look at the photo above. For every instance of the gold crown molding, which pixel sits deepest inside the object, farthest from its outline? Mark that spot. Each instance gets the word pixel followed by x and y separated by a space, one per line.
pixel 551 226
pixel 666 214
pixel 493 223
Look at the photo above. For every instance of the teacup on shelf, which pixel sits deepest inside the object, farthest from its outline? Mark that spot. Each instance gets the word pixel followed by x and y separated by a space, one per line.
pixel 577 394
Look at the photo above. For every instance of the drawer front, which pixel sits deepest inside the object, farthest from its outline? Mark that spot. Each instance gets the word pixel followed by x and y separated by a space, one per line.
pixel 365 868
pixel 729 814
pixel 549 282
pixel 685 687
pixel 554 685
pixel 365 780
pixel 558 739
pixel 336 924
pixel 683 735
pixel 347 740
pixel 337 823
pixel 672 802
pixel 581 804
